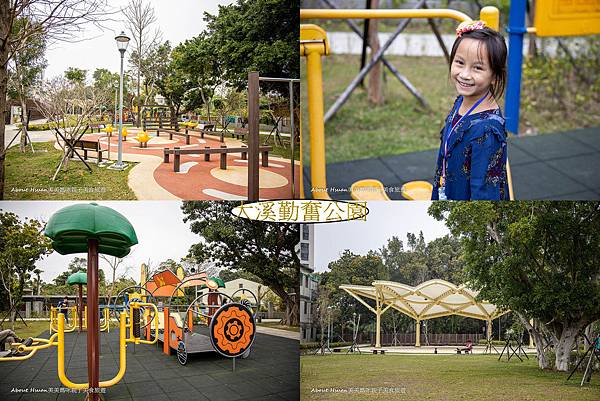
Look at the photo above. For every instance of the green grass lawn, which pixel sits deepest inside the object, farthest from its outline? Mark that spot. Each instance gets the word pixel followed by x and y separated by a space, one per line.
pixel 275 325
pixel 33 329
pixel 361 131
pixel 28 176
pixel 437 377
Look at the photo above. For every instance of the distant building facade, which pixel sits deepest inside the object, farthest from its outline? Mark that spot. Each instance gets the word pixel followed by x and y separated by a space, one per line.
pixel 308 283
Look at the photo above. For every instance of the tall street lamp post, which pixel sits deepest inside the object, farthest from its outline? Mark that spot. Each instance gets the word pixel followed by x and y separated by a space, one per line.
pixel 122 42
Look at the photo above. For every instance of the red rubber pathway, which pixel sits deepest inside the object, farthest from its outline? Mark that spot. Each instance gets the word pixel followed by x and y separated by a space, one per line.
pixel 199 179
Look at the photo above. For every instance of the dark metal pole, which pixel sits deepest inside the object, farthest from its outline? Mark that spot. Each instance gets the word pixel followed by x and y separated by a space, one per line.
pixel 253 136
pixel 365 43
pixel 80 306
pixel 93 340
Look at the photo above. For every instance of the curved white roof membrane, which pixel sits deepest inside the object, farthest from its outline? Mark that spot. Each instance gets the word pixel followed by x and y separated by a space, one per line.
pixel 428 300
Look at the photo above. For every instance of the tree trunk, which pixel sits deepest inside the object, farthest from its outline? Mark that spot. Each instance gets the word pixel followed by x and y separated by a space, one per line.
pixel 563 348
pixel 375 94
pixel 24 122
pixel 540 343
pixel 3 88
pixel 139 110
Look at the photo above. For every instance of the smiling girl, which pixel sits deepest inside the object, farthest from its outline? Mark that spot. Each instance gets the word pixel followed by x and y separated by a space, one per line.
pixel 471 161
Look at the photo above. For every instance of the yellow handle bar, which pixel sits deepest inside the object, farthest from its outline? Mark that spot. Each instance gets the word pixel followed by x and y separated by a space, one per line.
pixel 61 357
pixel 387 13
pixel 139 340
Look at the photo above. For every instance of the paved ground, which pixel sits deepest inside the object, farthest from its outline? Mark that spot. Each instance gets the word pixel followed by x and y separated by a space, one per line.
pixel 271 372
pixel 549 166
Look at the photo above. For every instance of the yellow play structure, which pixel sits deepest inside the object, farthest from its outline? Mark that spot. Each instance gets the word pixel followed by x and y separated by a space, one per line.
pixel 314 45
pixel 127 321
pixel 72 314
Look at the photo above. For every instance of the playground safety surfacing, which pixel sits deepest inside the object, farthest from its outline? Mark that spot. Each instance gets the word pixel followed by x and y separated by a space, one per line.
pixel 558 166
pixel 270 372
pixel 197 178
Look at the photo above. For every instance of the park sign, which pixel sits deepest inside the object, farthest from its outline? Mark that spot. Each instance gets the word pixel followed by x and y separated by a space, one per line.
pixel 567 17
pixel 302 211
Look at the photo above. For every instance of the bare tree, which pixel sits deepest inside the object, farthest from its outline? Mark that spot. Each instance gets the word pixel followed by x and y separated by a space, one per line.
pixel 70 108
pixel 56 20
pixel 113 263
pixel 140 18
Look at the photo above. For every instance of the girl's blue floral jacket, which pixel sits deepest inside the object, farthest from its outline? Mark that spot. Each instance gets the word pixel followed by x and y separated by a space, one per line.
pixel 476 166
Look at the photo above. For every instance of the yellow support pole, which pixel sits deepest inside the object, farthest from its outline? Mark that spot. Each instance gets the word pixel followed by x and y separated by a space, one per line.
pixel 139 340
pixel 491 17
pixel 61 357
pixel 418 332
pixel 313 45
pixel 489 330
pixel 378 314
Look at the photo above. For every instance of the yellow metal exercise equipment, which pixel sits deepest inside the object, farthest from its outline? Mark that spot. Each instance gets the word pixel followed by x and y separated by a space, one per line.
pixel 58 340
pixel 313 45
pixel 54 312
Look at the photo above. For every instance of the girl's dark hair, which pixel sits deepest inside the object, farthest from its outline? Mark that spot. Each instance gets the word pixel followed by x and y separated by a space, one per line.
pixel 496 48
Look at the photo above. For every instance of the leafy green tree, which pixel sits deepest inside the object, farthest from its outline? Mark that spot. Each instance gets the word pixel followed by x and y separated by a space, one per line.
pixel 21 245
pixel 199 64
pixel 170 81
pixel 256 35
pixel 76 76
pixel 352 269
pixel 26 69
pixel 60 286
pixel 266 250
pixel 540 259
pixel 229 275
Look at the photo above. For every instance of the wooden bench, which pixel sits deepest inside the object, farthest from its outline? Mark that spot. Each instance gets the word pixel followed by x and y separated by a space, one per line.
pixel 99 127
pixel 207 151
pixel 88 145
pixel 205 131
pixel 240 133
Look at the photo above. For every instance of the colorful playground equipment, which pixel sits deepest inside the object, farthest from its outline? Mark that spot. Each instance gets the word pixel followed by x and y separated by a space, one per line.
pixel 212 322
pixel 313 45
pixel 73 316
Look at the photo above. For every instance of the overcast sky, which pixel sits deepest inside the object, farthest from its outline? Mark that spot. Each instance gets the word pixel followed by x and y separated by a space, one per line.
pixel 178 20
pixel 159 227
pixel 385 219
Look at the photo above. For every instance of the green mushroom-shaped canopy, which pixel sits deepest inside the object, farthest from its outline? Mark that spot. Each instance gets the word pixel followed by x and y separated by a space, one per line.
pixel 71 227
pixel 217 280
pixel 77 278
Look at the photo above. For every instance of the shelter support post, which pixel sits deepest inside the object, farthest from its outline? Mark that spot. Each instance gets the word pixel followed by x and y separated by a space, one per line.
pixel 418 333
pixel 378 329
pixel 488 332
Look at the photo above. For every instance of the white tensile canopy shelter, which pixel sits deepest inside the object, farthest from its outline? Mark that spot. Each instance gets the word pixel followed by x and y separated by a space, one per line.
pixel 428 300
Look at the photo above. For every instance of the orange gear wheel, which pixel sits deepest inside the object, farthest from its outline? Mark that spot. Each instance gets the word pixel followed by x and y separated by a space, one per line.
pixel 232 330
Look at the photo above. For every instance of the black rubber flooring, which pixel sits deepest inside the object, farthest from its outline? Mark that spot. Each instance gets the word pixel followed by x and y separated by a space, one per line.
pixel 549 166
pixel 271 372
